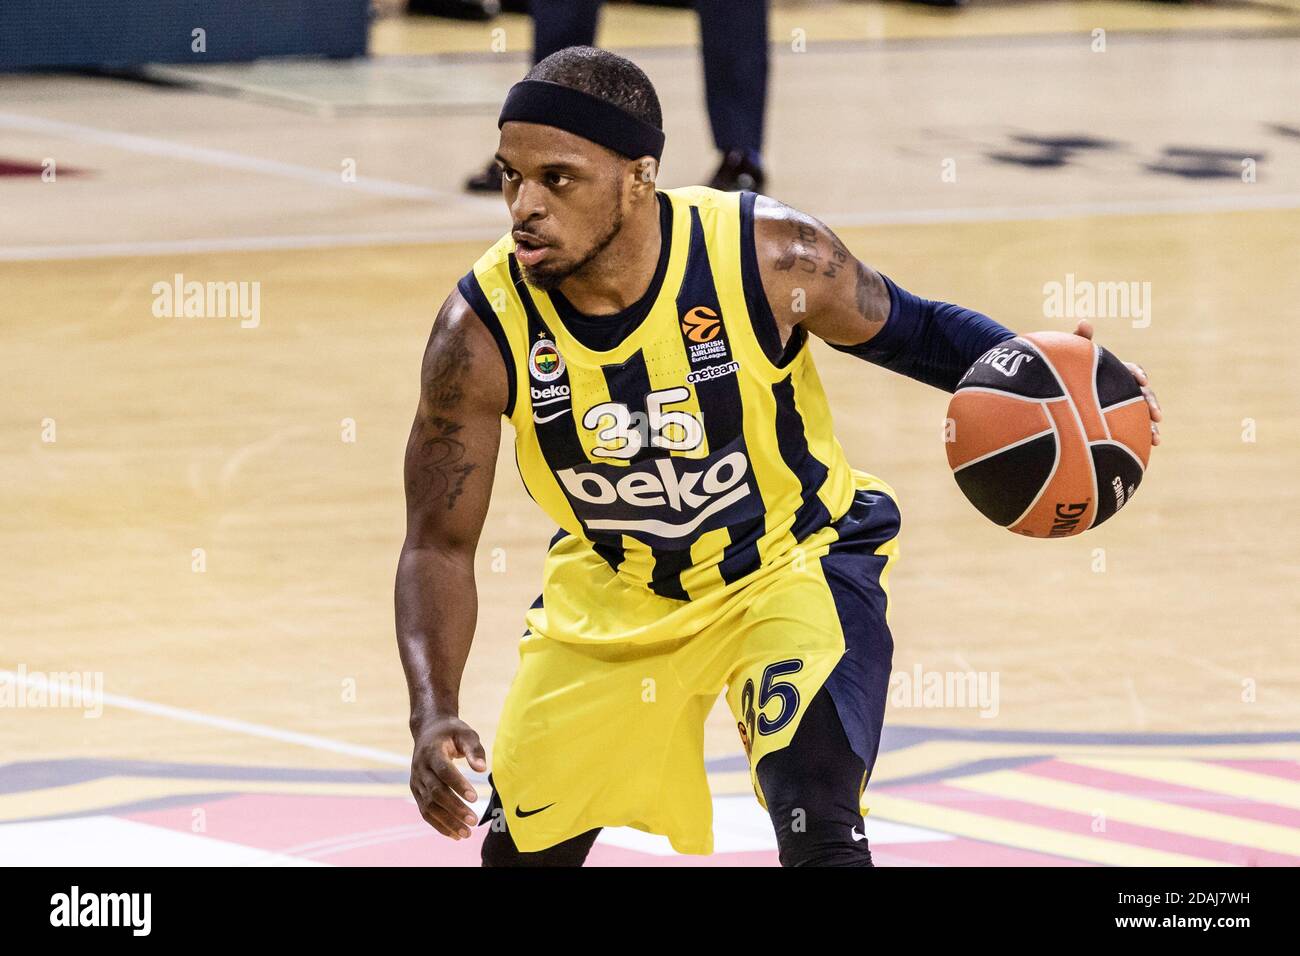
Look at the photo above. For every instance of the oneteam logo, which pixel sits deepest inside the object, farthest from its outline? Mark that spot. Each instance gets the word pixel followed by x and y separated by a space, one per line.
pixel 710 372
pixel 662 497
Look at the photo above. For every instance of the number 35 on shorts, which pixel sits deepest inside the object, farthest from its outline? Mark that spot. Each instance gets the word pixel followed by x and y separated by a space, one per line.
pixel 767 707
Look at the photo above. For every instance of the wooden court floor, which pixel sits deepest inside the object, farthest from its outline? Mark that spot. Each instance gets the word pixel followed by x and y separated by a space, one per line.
pixel 208 516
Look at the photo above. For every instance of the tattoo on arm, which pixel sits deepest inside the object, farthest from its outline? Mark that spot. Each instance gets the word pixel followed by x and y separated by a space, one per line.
pixel 865 293
pixel 840 299
pixel 825 256
pixel 439 471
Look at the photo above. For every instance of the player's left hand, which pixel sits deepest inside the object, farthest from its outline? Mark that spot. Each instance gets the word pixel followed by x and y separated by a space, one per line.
pixel 1084 328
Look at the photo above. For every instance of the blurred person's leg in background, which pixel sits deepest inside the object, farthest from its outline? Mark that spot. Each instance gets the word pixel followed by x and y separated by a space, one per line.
pixel 562 23
pixel 556 24
pixel 733 34
pixel 456 9
pixel 734 46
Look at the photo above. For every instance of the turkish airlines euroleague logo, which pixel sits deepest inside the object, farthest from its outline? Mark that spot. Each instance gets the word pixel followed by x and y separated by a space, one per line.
pixel 701 324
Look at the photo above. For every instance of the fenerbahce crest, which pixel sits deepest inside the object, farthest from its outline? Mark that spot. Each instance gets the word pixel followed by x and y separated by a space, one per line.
pixel 545 363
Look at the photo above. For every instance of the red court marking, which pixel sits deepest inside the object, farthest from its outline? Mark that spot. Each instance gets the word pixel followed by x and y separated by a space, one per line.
pixel 278 821
pixel 372 831
pixel 386 831
pixel 355 831
pixel 1080 824
pixel 10 167
pixel 1165 792
pixel 1286 769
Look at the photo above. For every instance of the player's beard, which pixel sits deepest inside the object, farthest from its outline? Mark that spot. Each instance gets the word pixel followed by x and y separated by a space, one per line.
pixel 548 276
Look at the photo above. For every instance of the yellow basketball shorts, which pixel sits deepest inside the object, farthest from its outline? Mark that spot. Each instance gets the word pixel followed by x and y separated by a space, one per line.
pixel 598 733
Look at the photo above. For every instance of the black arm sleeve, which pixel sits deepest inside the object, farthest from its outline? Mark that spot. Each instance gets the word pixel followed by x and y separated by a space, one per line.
pixel 932 342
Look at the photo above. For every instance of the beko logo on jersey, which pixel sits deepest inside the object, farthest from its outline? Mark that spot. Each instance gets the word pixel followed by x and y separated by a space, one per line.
pixel 553 400
pixel 550 391
pixel 710 372
pixel 661 483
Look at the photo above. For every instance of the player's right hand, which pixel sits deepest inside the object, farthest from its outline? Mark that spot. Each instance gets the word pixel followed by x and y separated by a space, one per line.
pixel 437 785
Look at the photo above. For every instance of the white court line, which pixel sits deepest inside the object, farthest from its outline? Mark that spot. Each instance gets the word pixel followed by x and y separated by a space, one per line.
pixel 221 723
pixel 1117 207
pixel 487 233
pixel 152 146
pixel 168 247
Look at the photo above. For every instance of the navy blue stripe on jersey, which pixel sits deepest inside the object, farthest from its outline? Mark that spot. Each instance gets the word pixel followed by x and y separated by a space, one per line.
pixel 557 434
pixel 473 294
pixel 718 395
pixel 760 311
pixel 741 557
pixel 793 443
pixel 755 299
pixel 629 384
pixel 612 551
pixel 666 575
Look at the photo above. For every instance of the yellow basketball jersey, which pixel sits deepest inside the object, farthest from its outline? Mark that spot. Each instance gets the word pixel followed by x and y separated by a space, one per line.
pixel 688 454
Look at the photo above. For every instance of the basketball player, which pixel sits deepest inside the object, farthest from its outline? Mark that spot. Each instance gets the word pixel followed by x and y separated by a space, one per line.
pixel 650 349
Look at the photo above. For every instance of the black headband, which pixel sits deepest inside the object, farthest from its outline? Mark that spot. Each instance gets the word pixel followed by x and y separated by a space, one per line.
pixel 551 104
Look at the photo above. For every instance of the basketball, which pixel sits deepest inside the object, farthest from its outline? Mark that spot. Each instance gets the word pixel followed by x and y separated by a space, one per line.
pixel 1048 435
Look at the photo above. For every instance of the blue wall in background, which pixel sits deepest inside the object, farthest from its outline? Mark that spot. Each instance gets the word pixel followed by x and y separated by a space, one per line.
pixel 120 33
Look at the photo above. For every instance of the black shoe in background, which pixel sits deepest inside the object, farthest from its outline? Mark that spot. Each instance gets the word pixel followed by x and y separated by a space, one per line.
pixel 456 9
pixel 487 181
pixel 738 172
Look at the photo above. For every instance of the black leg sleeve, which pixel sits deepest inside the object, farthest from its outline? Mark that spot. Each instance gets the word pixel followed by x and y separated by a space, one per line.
pixel 813 788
